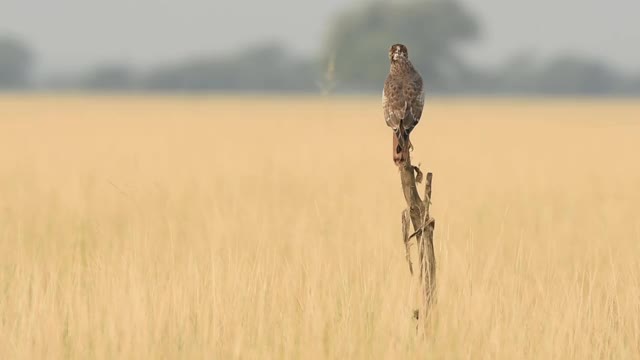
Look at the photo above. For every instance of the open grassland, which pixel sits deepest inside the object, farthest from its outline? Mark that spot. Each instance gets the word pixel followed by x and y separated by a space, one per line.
pixel 269 228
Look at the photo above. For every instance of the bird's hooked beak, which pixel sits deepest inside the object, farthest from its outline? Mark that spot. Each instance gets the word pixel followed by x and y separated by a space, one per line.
pixel 397 54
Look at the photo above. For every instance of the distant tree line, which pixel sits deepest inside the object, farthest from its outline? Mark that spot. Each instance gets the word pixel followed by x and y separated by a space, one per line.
pixel 353 58
pixel 16 64
pixel 261 69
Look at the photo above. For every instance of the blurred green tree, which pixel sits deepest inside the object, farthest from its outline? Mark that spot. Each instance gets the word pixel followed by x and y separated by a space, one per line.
pixel 359 40
pixel 16 61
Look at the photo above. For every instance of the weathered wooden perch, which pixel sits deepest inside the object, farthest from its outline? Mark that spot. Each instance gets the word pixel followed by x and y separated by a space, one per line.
pixel 417 213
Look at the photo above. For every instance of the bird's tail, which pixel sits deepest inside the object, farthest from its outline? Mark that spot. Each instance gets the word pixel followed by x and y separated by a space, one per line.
pixel 401 142
pixel 400 147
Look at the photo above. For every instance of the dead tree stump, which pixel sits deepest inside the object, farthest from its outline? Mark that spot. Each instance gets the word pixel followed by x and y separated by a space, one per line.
pixel 417 213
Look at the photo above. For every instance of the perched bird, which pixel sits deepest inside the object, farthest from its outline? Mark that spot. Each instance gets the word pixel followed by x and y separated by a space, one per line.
pixel 402 101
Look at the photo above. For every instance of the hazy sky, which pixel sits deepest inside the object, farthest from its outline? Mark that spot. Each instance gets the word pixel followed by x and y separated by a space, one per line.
pixel 68 34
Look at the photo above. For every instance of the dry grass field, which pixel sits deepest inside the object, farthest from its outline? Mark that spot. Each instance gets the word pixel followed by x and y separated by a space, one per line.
pixel 269 228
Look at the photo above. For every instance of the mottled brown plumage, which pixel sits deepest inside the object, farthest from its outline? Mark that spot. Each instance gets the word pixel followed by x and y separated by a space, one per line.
pixel 402 100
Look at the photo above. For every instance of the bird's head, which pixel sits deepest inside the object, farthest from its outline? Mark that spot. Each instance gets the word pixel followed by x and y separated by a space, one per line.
pixel 398 51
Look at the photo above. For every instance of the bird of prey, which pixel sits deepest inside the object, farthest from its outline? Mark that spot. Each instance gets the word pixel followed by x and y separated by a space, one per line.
pixel 402 101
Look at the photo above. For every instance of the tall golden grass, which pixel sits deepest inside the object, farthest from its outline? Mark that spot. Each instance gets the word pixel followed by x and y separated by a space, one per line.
pixel 269 228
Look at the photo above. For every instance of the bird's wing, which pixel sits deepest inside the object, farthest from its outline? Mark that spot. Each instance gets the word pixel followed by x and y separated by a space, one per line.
pixel 414 94
pixel 393 103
